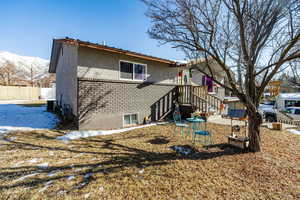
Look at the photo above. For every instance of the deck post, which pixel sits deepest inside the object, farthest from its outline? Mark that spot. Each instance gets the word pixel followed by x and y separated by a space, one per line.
pixel 191 94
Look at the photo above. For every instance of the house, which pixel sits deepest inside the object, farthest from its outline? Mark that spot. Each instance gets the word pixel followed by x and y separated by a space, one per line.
pixel 102 87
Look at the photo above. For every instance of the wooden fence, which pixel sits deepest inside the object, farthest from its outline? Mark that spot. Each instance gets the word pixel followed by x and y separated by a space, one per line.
pixel 284 118
pixel 19 93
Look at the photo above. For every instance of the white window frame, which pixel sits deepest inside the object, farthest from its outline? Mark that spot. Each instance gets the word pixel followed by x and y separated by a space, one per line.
pixel 133 73
pixel 137 118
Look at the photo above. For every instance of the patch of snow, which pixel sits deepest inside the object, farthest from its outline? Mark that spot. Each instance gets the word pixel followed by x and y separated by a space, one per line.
pixel 52 173
pixel 87 195
pixel 84 134
pixel 34 160
pixel 101 189
pixel 6 129
pixel 70 177
pixel 48 183
pixel 88 175
pixel 43 165
pixel 23 118
pixel 24 177
pixel 162 123
pixel 294 131
pixel 141 171
pixel 15 101
pixel 44 188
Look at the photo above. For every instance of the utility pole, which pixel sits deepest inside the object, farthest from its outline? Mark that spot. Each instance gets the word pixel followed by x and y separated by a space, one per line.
pixel 31 76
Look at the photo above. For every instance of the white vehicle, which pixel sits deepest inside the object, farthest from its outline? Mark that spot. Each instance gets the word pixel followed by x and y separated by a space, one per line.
pixel 294 112
pixel 285 100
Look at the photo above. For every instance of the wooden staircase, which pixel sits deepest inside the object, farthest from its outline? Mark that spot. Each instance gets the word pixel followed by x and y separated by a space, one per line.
pixel 190 99
pixel 164 106
pixel 198 98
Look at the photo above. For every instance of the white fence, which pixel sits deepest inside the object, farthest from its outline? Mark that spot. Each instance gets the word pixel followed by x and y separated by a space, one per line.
pixel 26 93
pixel 48 93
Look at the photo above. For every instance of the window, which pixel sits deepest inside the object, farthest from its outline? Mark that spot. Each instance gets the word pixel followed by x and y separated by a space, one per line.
pixel 291 103
pixel 297 111
pixel 130 119
pixel 139 72
pixel 126 70
pixel 132 71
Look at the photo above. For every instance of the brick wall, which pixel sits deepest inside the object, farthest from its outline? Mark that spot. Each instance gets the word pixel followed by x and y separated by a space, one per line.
pixel 102 103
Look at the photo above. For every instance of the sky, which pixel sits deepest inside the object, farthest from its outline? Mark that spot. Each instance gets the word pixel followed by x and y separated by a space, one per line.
pixel 27 27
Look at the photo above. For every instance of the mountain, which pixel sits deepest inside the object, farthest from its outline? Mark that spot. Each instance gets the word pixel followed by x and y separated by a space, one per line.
pixel 23 68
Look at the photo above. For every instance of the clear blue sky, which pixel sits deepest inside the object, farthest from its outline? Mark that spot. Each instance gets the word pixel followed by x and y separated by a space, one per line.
pixel 28 26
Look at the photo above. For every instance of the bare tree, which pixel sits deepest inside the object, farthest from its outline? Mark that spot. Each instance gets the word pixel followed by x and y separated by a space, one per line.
pixel 295 76
pixel 263 36
pixel 8 73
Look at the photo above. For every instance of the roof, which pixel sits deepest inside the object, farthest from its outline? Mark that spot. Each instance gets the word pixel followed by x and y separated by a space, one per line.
pixel 58 42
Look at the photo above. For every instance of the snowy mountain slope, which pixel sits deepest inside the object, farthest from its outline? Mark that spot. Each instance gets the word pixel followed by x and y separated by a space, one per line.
pixel 24 64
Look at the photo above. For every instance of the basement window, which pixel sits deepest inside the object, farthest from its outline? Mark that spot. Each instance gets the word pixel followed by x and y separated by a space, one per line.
pixel 130 119
pixel 133 71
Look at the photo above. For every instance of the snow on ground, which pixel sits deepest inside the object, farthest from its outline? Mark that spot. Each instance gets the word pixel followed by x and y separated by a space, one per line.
pixel 294 131
pixel 25 177
pixel 25 118
pixel 34 160
pixel 70 177
pixel 83 134
pixel 43 165
pixel 20 101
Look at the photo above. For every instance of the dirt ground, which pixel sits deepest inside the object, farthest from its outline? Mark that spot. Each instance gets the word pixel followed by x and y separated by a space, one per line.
pixel 141 164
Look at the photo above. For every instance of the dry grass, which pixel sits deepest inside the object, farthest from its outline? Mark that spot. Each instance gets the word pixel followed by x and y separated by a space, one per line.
pixel 141 165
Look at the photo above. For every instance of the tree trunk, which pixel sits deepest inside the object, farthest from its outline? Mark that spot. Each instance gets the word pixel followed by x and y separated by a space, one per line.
pixel 254 120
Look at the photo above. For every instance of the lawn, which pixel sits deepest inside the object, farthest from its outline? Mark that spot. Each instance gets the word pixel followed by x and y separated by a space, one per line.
pixel 141 164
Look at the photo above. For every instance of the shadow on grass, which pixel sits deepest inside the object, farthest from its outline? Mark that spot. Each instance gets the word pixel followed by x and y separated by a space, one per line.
pixel 159 140
pixel 118 157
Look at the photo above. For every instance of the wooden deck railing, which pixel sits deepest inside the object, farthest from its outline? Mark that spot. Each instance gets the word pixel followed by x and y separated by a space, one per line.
pixel 164 105
pixel 197 95
pixel 185 94
pixel 199 103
